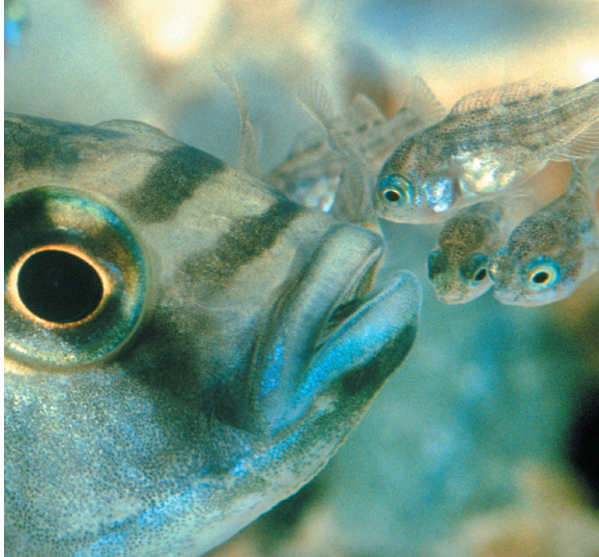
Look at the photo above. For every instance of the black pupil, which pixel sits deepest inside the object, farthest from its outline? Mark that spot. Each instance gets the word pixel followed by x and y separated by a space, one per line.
pixel 392 196
pixel 540 277
pixel 481 275
pixel 59 287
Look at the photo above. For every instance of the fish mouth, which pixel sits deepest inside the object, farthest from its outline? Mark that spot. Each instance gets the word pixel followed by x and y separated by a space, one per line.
pixel 327 326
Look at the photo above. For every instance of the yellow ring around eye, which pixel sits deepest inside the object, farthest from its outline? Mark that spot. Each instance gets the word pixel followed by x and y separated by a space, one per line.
pixel 16 297
pixel 395 190
pixel 542 275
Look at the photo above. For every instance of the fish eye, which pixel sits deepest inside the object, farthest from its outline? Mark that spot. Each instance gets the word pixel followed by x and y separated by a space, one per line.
pixel 75 278
pixel 542 274
pixel 475 269
pixel 395 190
pixel 481 274
pixel 58 284
pixel 436 264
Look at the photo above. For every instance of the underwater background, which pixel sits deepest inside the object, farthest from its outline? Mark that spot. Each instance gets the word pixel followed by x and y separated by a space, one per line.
pixel 484 442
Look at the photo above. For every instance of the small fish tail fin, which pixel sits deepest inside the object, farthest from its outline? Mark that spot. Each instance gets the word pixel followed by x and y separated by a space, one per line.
pixel 248 152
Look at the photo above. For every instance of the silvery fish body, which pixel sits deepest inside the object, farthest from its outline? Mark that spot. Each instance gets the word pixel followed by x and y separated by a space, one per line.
pixel 553 250
pixel 491 141
pixel 184 347
pixel 458 265
pixel 314 169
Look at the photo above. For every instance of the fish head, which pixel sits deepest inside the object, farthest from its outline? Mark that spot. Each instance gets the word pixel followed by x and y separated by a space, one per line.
pixel 539 265
pixel 457 281
pixel 412 196
pixel 531 281
pixel 458 269
pixel 184 348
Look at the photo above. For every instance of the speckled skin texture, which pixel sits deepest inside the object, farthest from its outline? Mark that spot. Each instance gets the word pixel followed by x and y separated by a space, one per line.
pixel 490 141
pixel 560 240
pixel 463 249
pixel 261 349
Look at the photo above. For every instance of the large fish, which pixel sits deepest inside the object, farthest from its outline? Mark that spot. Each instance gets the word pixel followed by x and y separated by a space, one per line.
pixel 184 347
pixel 491 141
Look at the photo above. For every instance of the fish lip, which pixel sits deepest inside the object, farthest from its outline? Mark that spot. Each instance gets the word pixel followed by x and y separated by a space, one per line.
pixel 358 283
pixel 327 323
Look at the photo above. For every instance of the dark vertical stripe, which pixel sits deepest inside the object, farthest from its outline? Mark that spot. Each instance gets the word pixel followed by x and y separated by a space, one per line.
pixel 247 239
pixel 170 182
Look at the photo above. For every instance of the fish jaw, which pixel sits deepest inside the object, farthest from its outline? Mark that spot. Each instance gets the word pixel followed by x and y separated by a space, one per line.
pixel 462 294
pixel 307 349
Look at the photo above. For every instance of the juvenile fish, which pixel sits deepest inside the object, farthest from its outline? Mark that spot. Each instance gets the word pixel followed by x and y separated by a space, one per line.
pixel 490 141
pixel 351 201
pixel 553 250
pixel 458 266
pixel 314 169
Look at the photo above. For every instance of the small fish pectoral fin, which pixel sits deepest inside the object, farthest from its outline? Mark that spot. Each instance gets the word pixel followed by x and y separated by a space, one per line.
pixel 248 152
pixel 277 374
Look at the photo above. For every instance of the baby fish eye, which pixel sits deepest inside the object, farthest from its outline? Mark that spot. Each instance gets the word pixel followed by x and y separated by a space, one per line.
pixel 395 190
pixel 474 268
pixel 392 196
pixel 480 275
pixel 436 264
pixel 75 280
pixel 542 275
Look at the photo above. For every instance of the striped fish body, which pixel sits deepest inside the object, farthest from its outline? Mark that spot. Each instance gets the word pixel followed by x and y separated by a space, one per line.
pixel 226 350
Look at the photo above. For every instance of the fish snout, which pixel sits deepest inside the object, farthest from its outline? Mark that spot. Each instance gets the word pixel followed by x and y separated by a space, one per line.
pixel 328 327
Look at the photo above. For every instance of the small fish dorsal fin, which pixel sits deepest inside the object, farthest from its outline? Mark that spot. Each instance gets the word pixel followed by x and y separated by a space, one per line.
pixel 422 101
pixel 364 110
pixel 248 152
pixel 504 94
